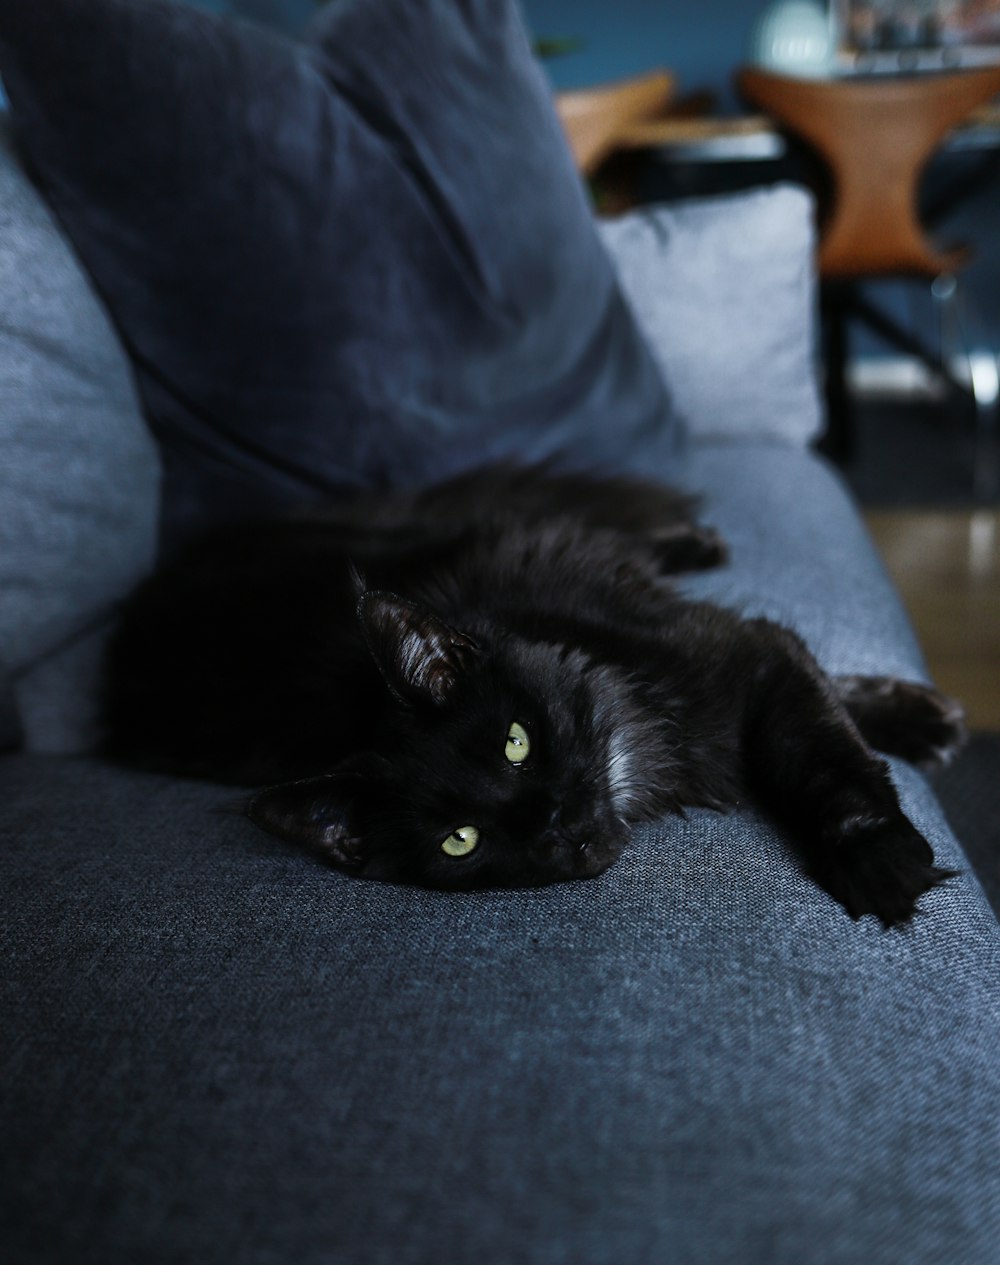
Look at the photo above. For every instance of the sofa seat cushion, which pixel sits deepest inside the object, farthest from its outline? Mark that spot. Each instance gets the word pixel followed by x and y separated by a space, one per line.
pixel 220 1050
pixel 362 260
pixel 216 1049
pixel 801 556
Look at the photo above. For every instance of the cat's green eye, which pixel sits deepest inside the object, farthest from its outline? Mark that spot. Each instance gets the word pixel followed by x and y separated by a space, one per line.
pixel 461 842
pixel 518 744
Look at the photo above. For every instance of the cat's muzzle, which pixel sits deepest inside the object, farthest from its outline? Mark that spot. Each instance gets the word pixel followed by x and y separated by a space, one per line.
pixel 573 855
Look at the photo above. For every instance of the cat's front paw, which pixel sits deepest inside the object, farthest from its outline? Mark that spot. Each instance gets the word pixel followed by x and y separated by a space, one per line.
pixel 905 718
pixel 879 868
pixel 931 725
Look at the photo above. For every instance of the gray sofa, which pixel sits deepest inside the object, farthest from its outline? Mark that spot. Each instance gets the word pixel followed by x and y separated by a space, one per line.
pixel 216 1049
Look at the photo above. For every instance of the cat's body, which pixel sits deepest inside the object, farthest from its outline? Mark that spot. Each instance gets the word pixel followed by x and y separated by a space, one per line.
pixel 488 683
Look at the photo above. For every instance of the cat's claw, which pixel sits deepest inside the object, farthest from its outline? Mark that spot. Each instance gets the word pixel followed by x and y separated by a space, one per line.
pixel 881 870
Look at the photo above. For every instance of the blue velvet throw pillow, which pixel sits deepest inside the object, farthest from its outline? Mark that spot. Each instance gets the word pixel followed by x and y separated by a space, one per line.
pixel 361 260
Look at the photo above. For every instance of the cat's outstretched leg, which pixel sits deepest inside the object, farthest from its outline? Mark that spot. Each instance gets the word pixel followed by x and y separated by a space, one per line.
pixel 904 718
pixel 808 765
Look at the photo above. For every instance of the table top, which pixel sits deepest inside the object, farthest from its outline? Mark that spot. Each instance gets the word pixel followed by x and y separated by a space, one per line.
pixel 754 137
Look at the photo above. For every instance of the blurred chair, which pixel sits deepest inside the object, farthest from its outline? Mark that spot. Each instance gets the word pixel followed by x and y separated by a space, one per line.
pixel 595 118
pixel 876 136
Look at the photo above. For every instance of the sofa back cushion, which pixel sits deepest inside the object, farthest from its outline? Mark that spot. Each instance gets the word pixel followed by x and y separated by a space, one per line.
pixel 725 291
pixel 361 260
pixel 79 472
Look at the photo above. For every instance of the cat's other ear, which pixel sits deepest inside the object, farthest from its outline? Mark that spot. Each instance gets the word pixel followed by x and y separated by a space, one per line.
pixel 421 657
pixel 318 812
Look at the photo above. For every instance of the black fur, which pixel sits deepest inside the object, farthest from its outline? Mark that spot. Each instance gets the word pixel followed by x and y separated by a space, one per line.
pixel 365 665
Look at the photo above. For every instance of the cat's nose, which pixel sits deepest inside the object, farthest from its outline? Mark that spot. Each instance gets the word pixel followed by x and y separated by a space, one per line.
pixel 564 831
pixel 564 836
pixel 569 827
pixel 577 841
pixel 576 850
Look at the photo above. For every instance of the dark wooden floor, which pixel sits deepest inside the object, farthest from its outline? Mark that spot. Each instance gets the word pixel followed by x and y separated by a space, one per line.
pixel 946 564
pixel 913 475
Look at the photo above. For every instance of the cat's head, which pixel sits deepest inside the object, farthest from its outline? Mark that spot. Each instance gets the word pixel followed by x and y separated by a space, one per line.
pixel 503 765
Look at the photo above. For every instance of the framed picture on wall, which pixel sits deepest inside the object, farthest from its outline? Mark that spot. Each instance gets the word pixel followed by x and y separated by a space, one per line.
pixel 893 36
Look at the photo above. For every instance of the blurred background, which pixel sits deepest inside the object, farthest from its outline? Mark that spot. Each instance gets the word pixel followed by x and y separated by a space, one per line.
pixel 593 42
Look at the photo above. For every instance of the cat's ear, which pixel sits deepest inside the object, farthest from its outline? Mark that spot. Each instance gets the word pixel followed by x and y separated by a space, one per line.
pixel 318 812
pixel 421 657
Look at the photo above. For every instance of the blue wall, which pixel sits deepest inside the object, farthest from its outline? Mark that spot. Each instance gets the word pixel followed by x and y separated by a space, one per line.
pixel 702 41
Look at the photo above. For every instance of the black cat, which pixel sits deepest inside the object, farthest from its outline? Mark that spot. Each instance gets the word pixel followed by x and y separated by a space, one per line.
pixel 487 683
